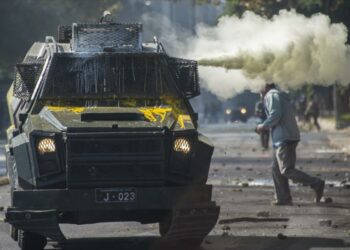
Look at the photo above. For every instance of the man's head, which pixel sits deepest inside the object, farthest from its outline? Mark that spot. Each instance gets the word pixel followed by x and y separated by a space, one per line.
pixel 267 88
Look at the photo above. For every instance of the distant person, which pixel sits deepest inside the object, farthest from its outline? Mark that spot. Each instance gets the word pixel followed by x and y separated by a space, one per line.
pixel 285 137
pixel 301 107
pixel 261 114
pixel 313 111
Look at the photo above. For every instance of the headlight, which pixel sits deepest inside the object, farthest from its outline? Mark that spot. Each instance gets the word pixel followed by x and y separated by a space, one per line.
pixel 46 145
pixel 228 111
pixel 182 145
pixel 243 111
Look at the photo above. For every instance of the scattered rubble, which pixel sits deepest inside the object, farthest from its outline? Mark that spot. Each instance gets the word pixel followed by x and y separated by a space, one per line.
pixel 264 214
pixel 4 181
pixel 327 200
pixel 281 236
pixel 225 230
pixel 239 190
pixel 251 219
pixel 245 184
pixel 325 222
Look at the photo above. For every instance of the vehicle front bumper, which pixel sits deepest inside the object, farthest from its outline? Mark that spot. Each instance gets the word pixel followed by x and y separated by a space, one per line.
pixel 39 211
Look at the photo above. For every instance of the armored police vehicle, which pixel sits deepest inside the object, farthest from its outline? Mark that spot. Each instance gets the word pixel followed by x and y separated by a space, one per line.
pixel 103 131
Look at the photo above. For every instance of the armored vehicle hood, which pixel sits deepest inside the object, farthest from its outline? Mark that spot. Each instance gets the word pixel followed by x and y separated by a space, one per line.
pixel 55 119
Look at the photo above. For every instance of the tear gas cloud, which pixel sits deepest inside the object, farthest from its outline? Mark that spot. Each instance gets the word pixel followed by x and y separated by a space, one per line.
pixel 245 53
pixel 289 49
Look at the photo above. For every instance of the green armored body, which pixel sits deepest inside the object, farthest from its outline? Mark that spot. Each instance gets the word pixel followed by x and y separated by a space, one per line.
pixel 103 131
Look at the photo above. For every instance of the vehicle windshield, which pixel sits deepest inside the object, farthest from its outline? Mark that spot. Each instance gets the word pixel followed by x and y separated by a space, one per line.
pixel 122 80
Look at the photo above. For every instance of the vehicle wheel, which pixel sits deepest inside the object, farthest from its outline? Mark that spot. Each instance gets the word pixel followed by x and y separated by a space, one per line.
pixel 14 233
pixel 31 241
pixel 164 225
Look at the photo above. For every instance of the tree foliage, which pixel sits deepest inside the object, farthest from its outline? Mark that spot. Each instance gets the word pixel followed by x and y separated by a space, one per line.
pixel 338 10
pixel 20 19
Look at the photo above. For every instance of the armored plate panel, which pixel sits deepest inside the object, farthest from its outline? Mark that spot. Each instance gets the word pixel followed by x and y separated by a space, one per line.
pixel 22 154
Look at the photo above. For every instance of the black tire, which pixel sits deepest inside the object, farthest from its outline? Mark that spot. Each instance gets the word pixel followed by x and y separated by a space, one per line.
pixel 14 233
pixel 31 241
pixel 165 224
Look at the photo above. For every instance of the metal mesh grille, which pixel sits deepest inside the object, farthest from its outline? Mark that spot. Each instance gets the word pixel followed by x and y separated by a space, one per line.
pixel 186 74
pixel 108 76
pixel 99 37
pixel 26 75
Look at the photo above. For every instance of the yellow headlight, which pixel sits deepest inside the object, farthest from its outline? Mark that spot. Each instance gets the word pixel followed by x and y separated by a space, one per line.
pixel 243 111
pixel 46 145
pixel 182 145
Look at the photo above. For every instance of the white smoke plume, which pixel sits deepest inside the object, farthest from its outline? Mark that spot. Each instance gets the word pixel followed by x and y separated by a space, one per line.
pixel 244 53
pixel 289 49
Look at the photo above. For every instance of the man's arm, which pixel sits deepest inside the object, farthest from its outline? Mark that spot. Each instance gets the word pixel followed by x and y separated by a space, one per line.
pixel 274 110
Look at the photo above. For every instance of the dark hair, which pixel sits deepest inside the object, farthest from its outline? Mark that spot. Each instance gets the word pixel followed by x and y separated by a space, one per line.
pixel 270 85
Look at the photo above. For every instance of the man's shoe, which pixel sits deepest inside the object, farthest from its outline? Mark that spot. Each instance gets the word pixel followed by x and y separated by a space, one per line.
pixel 319 189
pixel 281 203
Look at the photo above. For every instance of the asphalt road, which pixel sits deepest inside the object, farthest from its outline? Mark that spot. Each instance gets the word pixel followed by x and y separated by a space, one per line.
pixel 241 175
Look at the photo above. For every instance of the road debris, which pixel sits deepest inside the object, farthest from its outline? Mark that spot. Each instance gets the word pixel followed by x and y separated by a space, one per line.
pixel 263 214
pixel 225 230
pixel 245 184
pixel 208 242
pixel 327 200
pixel 239 190
pixel 251 219
pixel 325 222
pixel 4 181
pixel 281 236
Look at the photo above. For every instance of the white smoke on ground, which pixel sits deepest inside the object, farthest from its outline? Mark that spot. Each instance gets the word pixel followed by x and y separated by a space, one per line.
pixel 289 49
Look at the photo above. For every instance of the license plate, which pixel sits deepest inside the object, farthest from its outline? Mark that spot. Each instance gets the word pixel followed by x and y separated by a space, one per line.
pixel 116 195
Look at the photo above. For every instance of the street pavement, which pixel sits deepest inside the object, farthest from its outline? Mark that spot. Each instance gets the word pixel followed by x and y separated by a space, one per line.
pixel 241 176
pixel 2 158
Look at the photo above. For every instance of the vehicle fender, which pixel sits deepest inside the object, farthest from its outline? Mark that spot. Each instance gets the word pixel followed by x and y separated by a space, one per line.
pixel 23 158
pixel 201 158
